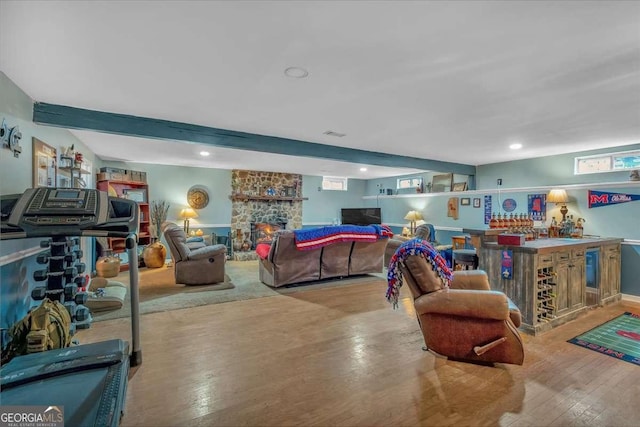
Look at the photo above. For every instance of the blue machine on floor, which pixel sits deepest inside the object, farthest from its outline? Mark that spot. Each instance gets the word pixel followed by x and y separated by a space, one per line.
pixel 89 381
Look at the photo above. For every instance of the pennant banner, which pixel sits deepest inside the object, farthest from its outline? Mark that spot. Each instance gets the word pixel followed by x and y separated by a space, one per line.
pixel 604 198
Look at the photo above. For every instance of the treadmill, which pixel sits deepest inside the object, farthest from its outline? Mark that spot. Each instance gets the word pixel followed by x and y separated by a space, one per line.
pixel 87 382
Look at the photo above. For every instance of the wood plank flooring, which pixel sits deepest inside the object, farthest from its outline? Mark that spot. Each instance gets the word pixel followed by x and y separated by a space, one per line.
pixel 343 357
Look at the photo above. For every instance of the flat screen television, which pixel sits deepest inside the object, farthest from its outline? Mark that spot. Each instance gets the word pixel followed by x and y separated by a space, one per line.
pixel 361 216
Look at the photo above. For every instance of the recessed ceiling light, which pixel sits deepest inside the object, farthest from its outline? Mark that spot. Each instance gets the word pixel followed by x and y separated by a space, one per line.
pixel 204 153
pixel 296 72
pixel 515 146
pixel 363 169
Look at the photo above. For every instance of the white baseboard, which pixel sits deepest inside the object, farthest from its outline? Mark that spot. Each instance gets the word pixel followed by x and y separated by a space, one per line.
pixel 631 298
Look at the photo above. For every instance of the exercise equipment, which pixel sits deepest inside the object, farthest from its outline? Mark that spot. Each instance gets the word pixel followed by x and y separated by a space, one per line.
pixel 89 380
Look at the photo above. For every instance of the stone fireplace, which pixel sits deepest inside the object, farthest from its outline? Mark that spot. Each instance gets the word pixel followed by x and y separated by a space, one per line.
pixel 263 202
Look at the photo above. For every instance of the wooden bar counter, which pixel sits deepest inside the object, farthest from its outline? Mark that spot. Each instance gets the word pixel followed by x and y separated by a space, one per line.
pixel 549 277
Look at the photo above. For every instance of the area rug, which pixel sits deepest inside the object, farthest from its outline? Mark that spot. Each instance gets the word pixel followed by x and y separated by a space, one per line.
pixel 159 292
pixel 619 338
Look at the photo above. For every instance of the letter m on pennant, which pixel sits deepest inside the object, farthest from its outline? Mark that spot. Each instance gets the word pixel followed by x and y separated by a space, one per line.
pixel 598 198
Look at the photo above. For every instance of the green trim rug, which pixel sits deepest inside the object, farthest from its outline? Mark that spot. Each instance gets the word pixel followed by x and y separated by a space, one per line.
pixel 619 338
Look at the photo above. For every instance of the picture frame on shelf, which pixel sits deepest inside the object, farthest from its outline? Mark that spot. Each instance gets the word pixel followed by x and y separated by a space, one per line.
pixel 476 202
pixel 135 194
pixel 289 191
pixel 459 186
pixel 465 201
pixel 441 183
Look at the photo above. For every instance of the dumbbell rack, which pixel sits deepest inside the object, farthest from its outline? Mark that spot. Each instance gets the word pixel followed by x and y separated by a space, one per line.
pixel 64 278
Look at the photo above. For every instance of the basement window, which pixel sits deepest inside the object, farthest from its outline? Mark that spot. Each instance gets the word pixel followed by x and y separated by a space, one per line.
pixel 611 162
pixel 335 183
pixel 409 183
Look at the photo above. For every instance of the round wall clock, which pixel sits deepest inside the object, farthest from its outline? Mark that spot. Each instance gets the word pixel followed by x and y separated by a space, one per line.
pixel 198 198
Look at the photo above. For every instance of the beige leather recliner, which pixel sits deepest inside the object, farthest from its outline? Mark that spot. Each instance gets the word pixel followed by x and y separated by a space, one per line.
pixel 467 322
pixel 194 264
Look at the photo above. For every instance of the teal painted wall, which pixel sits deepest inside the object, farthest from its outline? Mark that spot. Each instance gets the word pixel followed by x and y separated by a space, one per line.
pixel 323 206
pixel 549 170
pixel 16 174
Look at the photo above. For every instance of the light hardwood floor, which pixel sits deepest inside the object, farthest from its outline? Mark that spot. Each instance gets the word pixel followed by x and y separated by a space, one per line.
pixel 343 357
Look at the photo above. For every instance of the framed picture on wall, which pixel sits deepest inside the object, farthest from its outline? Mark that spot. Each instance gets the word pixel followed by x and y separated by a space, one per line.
pixel 476 202
pixel 45 166
pixel 465 201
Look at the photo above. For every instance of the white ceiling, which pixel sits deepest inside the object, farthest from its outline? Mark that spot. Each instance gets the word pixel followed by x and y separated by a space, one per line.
pixel 452 81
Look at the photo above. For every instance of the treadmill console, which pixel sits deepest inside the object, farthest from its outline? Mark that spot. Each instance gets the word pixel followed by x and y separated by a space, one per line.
pixel 46 212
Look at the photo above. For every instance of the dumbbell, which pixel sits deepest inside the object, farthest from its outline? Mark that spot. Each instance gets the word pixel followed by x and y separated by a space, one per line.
pixel 39 293
pixel 70 291
pixel 43 258
pixel 82 313
pixel 70 272
pixel 80 281
pixel 40 275
pixel 81 298
pixel 80 267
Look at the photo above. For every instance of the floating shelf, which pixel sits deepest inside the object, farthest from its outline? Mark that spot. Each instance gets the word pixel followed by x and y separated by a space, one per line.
pixel 267 198
pixel 507 190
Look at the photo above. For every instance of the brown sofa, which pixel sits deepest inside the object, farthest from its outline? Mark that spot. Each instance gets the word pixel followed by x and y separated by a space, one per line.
pixel 468 322
pixel 194 263
pixel 285 264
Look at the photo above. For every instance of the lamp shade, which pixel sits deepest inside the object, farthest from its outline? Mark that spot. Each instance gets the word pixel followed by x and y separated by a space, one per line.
pixel 557 196
pixel 413 216
pixel 188 213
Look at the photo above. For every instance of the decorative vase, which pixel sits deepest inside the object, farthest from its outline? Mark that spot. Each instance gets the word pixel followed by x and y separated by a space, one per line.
pixel 108 266
pixel 154 255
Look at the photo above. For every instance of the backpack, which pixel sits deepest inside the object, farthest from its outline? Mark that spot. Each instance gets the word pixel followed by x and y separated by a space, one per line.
pixel 44 328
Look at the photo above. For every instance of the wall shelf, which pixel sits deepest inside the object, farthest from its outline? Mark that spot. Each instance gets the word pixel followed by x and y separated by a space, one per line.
pixel 506 190
pixel 244 198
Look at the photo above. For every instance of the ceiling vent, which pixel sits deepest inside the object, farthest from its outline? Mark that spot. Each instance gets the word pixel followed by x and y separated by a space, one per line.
pixel 336 134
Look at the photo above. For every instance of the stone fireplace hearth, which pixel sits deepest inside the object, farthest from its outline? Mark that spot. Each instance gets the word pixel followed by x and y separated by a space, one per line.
pixel 270 199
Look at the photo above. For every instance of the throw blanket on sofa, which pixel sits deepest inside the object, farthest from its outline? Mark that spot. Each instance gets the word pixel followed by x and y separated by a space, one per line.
pixel 414 247
pixel 313 238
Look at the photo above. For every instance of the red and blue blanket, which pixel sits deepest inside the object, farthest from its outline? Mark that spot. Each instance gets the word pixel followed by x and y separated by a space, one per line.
pixel 313 238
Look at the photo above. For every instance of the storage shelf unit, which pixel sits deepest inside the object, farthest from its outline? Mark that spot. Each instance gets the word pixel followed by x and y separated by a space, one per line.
pixel 139 192
pixel 72 170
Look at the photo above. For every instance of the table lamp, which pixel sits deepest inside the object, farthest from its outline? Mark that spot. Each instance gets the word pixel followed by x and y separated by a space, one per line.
pixel 559 196
pixel 412 217
pixel 187 214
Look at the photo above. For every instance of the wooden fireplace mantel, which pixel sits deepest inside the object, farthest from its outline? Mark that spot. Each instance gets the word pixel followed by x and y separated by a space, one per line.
pixel 244 197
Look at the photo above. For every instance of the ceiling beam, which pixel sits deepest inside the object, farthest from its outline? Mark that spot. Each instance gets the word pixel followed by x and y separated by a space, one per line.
pixel 145 127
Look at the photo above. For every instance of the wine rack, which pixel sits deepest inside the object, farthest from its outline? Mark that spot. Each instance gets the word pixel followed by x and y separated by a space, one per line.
pixel 546 294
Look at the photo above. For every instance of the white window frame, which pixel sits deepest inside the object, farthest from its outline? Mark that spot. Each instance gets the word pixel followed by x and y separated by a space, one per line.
pixel 334 183
pixel 412 182
pixel 610 162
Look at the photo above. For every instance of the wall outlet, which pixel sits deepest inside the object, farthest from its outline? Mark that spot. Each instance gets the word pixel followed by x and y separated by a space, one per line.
pixel 499 181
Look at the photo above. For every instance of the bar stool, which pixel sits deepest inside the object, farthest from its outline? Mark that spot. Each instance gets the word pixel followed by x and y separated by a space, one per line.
pixel 465 258
pixel 463 253
pixel 458 242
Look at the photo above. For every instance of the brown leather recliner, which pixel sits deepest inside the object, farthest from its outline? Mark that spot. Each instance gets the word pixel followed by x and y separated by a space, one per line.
pixel 194 264
pixel 467 322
